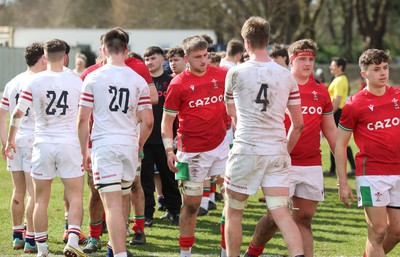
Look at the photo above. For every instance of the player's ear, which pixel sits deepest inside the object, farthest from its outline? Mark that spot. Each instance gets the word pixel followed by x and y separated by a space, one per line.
pixel 363 73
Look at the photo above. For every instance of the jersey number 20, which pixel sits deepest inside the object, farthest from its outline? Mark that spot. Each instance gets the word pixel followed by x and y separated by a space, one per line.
pixel 262 97
pixel 123 98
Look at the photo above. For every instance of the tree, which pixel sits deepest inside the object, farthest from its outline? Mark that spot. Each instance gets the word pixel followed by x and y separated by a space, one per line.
pixel 372 27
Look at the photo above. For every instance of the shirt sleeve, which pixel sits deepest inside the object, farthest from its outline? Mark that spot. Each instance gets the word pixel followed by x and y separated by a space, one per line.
pixel 172 98
pixel 144 98
pixel 294 96
pixel 26 95
pixel 87 98
pixel 5 104
pixel 229 85
pixel 348 119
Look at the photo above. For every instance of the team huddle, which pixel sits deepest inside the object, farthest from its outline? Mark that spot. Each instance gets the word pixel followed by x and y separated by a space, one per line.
pixel 257 125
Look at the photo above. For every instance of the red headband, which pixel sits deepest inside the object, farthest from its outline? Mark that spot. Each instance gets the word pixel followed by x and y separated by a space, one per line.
pixel 305 52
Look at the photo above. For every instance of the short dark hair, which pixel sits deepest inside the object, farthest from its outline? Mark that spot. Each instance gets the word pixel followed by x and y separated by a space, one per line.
pixel 373 56
pixel 55 50
pixel 279 50
pixel 340 62
pixel 214 57
pixel 153 50
pixel 176 50
pixel 33 53
pixel 234 47
pixel 116 41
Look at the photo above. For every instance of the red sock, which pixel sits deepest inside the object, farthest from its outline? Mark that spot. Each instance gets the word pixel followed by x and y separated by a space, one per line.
pixel 222 230
pixel 95 229
pixel 206 192
pixel 138 224
pixel 186 242
pixel 255 250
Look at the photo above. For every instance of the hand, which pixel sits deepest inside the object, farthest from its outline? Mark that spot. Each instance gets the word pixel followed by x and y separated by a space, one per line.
pixel 171 159
pixel 87 162
pixel 10 146
pixel 344 193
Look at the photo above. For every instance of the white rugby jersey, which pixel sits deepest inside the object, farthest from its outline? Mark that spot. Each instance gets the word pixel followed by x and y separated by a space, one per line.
pixel 261 92
pixel 54 98
pixel 25 134
pixel 115 93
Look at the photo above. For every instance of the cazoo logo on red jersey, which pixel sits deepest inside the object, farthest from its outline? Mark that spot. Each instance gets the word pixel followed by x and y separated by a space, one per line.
pixel 311 110
pixel 206 101
pixel 386 123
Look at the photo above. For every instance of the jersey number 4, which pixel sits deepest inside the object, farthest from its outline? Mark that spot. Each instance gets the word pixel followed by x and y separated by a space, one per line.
pixel 262 97
pixel 61 102
pixel 122 95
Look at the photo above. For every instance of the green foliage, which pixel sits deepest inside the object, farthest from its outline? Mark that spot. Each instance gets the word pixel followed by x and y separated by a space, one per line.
pixel 338 231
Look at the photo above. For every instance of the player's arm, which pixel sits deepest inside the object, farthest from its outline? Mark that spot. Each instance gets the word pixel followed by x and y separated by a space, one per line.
pixel 329 130
pixel 296 126
pixel 231 110
pixel 146 119
pixel 15 122
pixel 153 94
pixel 3 131
pixel 83 134
pixel 342 140
pixel 167 137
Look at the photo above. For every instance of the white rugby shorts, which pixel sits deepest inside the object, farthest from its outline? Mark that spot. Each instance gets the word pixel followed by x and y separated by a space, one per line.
pixel 22 160
pixel 205 164
pixel 51 160
pixel 307 182
pixel 245 173
pixel 378 190
pixel 112 163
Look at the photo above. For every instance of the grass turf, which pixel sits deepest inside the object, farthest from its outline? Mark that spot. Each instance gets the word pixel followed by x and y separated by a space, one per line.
pixel 338 231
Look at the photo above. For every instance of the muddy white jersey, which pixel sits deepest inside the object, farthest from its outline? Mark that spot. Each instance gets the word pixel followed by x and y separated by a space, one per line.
pixel 261 92
pixel 115 93
pixel 25 134
pixel 54 98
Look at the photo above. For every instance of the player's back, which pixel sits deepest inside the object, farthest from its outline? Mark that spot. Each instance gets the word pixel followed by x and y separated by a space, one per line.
pixel 54 97
pixel 116 91
pixel 261 91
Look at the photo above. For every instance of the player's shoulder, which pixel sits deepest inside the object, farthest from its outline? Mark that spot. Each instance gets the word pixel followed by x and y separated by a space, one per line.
pixel 393 90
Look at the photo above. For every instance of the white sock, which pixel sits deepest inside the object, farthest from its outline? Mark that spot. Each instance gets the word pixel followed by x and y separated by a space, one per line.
pixel 124 254
pixel 204 202
pixel 73 238
pixel 186 253
pixel 223 252
pixel 212 197
pixel 42 248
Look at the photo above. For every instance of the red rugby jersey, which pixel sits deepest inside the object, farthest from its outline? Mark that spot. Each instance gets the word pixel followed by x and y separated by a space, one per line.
pixel 199 103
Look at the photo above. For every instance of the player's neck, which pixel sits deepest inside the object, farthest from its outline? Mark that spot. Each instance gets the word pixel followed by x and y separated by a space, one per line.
pixel 157 73
pixel 301 80
pixel 376 90
pixel 55 66
pixel 259 55
pixel 116 60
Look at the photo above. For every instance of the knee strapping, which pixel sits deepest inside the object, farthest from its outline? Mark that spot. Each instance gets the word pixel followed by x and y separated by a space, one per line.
pixel 108 187
pixel 233 203
pixel 126 187
pixel 275 202
pixel 192 188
